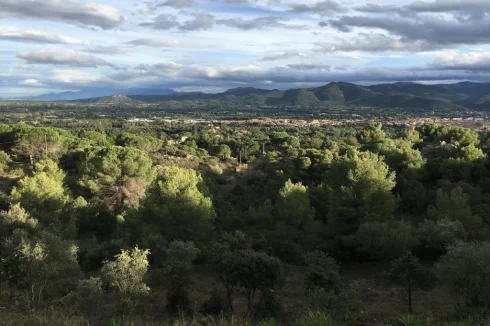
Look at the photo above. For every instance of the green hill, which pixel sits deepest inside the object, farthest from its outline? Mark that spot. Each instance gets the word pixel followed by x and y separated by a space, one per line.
pixel 412 96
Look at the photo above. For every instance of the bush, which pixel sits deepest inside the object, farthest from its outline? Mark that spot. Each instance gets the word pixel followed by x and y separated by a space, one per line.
pixel 88 299
pixel 214 305
pixel 267 322
pixel 316 319
pixel 323 271
pixel 343 305
pixel 268 306
pixel 178 301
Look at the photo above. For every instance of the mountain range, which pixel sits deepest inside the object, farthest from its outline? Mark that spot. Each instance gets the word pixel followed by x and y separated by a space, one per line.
pixel 91 92
pixel 447 97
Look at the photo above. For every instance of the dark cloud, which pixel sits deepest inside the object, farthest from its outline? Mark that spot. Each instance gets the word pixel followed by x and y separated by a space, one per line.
pixel 201 21
pixel 437 31
pixel 251 24
pixel 259 23
pixel 162 22
pixel 177 3
pixel 68 11
pixel 473 7
pixel 418 26
pixel 324 8
pixel 319 67
pixel 375 8
pixel 63 57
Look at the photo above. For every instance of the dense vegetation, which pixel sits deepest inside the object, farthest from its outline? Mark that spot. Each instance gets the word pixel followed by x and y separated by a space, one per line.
pixel 141 224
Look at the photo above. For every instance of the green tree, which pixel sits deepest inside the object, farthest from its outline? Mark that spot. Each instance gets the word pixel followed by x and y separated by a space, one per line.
pixel 41 265
pixel 409 274
pixel 178 269
pixel 437 235
pixel 258 271
pixel 176 207
pixel 463 136
pixel 43 192
pixel 118 174
pixel 411 134
pixel 125 275
pixel 385 240
pixel 98 138
pixel 144 143
pixel 361 185
pixel 454 206
pixel 223 151
pixel 39 143
pixel 293 206
pixel 253 271
pixel 372 133
pixel 465 269
pixel 4 161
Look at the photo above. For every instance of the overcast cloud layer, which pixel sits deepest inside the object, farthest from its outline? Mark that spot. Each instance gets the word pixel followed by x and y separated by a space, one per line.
pixel 212 45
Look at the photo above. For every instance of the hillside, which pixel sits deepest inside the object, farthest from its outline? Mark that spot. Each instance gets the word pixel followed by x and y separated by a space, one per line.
pixel 465 96
pixel 446 98
pixel 118 99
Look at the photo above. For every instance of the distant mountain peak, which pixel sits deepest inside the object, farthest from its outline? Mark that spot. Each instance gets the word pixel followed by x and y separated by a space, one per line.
pixel 119 98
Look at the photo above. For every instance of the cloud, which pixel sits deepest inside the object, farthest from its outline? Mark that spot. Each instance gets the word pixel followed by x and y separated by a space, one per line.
pixel 259 23
pixel 116 49
pixel 179 4
pixel 438 31
pixel 68 11
pixel 201 21
pixel 75 77
pixel 126 47
pixel 375 42
pixel 152 43
pixel 204 21
pixel 162 22
pixel 16 34
pixel 473 7
pixel 324 8
pixel 284 55
pixel 318 67
pixel 30 82
pixel 472 61
pixel 62 57
pixel 177 75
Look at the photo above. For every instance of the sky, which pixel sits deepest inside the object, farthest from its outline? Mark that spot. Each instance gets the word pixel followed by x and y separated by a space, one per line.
pixel 213 45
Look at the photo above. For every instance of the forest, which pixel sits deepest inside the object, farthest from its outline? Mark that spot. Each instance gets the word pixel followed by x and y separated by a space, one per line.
pixel 132 224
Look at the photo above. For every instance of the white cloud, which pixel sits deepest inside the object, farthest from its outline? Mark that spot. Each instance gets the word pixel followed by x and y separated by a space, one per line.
pixel 75 76
pixel 463 61
pixel 30 82
pixel 13 33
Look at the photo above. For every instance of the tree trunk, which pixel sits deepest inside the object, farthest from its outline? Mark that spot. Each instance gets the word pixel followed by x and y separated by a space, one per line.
pixel 410 311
